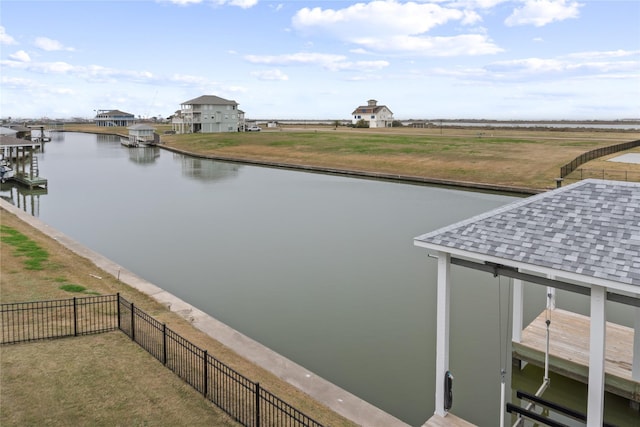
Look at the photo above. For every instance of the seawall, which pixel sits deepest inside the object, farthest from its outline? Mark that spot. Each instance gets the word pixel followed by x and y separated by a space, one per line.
pixel 323 391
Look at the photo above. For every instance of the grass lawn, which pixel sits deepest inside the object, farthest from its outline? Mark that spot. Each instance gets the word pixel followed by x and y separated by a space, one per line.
pixel 529 158
pixel 103 379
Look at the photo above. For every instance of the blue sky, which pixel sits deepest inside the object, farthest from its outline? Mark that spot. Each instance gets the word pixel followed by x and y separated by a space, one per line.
pixel 492 59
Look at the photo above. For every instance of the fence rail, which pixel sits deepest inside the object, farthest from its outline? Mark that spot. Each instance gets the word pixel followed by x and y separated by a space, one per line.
pixel 618 175
pixel 244 400
pixel 37 320
pixel 594 154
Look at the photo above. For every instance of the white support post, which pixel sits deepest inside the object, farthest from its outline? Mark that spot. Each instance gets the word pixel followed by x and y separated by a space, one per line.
pixel 442 329
pixel 518 311
pixel 635 370
pixel 595 400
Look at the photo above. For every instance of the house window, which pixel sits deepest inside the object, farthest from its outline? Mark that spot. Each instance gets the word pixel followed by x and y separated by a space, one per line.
pixel 373 117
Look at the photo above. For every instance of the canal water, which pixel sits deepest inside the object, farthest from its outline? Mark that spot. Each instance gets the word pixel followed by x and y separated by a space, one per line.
pixel 320 268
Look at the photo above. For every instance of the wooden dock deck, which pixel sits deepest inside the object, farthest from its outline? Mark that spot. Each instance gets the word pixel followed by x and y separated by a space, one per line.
pixel 569 350
pixel 449 421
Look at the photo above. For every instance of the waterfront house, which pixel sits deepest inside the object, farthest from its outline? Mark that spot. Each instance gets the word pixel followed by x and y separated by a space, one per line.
pixel 107 118
pixel 377 116
pixel 583 238
pixel 207 114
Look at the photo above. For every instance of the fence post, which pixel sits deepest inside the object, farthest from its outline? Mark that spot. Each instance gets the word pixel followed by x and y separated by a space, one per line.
pixel 205 373
pixel 75 317
pixel 133 329
pixel 257 404
pixel 118 309
pixel 164 343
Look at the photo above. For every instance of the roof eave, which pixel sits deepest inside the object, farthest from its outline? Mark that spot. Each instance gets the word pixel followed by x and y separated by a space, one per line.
pixel 579 279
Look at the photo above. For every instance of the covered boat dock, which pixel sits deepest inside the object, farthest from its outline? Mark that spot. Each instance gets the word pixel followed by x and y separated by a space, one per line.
pixel 582 238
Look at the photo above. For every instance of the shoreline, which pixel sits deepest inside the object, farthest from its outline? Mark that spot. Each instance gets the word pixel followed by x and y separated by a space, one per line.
pixel 405 179
pixel 335 398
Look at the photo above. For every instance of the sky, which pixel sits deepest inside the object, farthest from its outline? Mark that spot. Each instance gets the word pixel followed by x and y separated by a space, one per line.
pixel 435 59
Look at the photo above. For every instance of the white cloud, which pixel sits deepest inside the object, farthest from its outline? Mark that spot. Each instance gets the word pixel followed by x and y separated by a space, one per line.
pixel 392 26
pixel 605 54
pixel 327 61
pixel 16 82
pixel 245 4
pixel 361 66
pixel 20 55
pixel 377 18
pixel 543 12
pixel 48 44
pixel 296 58
pixel 6 38
pixel 466 44
pixel 477 4
pixel 600 66
pixel 184 2
pixel 274 74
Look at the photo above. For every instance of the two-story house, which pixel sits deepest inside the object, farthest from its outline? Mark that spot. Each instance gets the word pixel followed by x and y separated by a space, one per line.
pixel 378 116
pixel 114 118
pixel 207 114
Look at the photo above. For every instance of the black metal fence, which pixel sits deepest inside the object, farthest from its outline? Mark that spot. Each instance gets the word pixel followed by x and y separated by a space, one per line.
pixel 594 154
pixel 613 174
pixel 32 321
pixel 244 400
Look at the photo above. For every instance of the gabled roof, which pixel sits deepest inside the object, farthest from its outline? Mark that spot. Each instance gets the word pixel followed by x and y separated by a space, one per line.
pixel 209 100
pixel 114 113
pixel 368 109
pixel 588 231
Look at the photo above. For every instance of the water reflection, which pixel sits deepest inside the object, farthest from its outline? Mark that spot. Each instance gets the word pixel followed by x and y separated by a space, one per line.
pixel 23 197
pixel 143 155
pixel 206 170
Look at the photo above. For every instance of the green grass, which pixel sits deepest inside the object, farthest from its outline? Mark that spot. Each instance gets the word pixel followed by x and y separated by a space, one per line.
pixel 69 287
pixel 24 247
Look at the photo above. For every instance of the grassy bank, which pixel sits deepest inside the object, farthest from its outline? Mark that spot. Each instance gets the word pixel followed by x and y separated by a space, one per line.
pixel 103 379
pixel 529 158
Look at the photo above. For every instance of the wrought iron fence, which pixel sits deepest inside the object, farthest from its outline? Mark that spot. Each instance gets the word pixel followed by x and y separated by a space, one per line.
pixel 244 400
pixel 613 174
pixel 594 154
pixel 37 320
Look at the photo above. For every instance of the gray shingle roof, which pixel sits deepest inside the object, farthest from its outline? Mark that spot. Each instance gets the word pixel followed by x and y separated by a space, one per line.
pixel 590 228
pixel 209 100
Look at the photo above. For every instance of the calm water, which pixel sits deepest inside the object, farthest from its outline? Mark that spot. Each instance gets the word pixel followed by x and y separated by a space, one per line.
pixel 320 268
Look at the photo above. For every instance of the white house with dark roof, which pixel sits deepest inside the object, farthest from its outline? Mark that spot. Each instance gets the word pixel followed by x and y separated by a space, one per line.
pixel 114 118
pixel 207 114
pixel 378 116
pixel 582 238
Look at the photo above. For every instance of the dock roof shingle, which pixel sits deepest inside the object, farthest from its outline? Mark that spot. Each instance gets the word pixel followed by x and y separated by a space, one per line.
pixel 590 228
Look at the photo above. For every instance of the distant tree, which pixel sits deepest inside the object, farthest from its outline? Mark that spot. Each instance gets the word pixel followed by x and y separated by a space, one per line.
pixel 396 124
pixel 336 123
pixel 362 123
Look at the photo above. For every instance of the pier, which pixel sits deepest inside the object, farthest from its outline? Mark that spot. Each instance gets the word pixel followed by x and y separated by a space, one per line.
pixel 16 152
pixel 569 351
pixel 573 238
